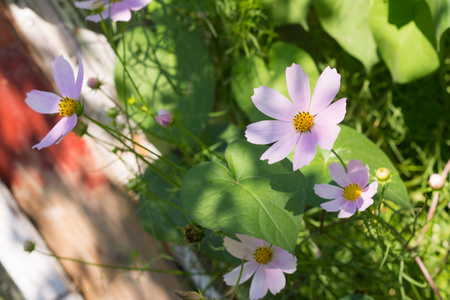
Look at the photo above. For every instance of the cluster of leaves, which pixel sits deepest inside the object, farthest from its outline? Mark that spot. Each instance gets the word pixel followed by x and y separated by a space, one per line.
pixel 202 60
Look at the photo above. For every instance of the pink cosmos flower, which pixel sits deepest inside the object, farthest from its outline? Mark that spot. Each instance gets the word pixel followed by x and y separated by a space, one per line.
pixel 267 262
pixel 300 124
pixel 164 118
pixel 117 10
pixel 355 193
pixel 66 104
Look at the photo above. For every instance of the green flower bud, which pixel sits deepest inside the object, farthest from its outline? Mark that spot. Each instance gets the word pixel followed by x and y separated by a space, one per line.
pixel 382 174
pixel 193 233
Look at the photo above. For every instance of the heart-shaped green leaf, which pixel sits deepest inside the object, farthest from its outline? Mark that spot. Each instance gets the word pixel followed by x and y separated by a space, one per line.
pixel 250 197
pixel 251 72
pixel 347 21
pixel 405 36
pixel 353 145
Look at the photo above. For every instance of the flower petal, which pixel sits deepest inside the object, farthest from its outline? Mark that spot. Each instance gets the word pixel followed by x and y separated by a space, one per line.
pixel 339 175
pixel 64 78
pixel 305 151
pixel 326 89
pixel 283 260
pixel 120 12
pixel 137 4
pixel 360 177
pixel 335 205
pixel 84 4
pixel 237 249
pixel 370 191
pixel 97 18
pixel 274 104
pixel 268 131
pixel 258 288
pixel 348 209
pixel 232 277
pixel 80 76
pixel 57 131
pixel 251 242
pixel 354 165
pixel 282 148
pixel 298 87
pixel 333 114
pixel 71 122
pixel 275 280
pixel 362 203
pixel 43 102
pixel 325 135
pixel 328 191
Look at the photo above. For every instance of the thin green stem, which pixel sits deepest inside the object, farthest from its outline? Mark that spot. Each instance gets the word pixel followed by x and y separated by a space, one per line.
pixel 340 159
pixel 106 266
pixel 239 279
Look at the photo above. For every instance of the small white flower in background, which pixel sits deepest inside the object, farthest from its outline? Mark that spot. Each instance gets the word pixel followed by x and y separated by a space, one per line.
pixel 266 261
pixel 66 104
pixel 436 181
pixel 164 118
pixel 355 193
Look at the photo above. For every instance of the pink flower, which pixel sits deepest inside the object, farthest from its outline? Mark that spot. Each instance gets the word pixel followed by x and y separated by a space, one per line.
pixel 267 262
pixel 164 118
pixel 66 105
pixel 117 10
pixel 355 193
pixel 300 124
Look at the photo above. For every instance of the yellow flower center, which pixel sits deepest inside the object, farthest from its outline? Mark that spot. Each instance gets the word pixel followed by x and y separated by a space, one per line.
pixel 67 106
pixel 262 255
pixel 352 192
pixel 303 121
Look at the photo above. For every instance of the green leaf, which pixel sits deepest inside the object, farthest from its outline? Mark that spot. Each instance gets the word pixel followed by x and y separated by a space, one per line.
pixel 160 208
pixel 251 72
pixel 347 21
pixel 353 145
pixel 250 197
pixel 288 11
pixel 356 297
pixel 172 70
pixel 404 33
pixel 440 9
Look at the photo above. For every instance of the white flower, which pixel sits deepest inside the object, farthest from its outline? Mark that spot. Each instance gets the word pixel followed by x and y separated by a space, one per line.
pixel 267 262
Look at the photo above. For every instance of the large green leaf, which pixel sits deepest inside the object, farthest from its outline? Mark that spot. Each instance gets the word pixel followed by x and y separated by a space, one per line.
pixel 288 11
pixel 251 72
pixel 353 145
pixel 172 70
pixel 347 21
pixel 249 197
pixel 405 36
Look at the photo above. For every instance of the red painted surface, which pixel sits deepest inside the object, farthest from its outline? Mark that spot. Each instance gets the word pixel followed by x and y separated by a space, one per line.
pixel 21 127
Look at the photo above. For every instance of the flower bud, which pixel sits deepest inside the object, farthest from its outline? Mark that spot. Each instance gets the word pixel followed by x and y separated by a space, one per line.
pixel 113 112
pixel 189 295
pixel 382 174
pixel 436 181
pixel 193 233
pixel 29 246
pixel 94 83
pixel 164 118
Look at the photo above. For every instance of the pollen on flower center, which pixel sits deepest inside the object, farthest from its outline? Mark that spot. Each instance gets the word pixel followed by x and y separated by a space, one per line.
pixel 262 255
pixel 302 121
pixel 67 106
pixel 352 192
